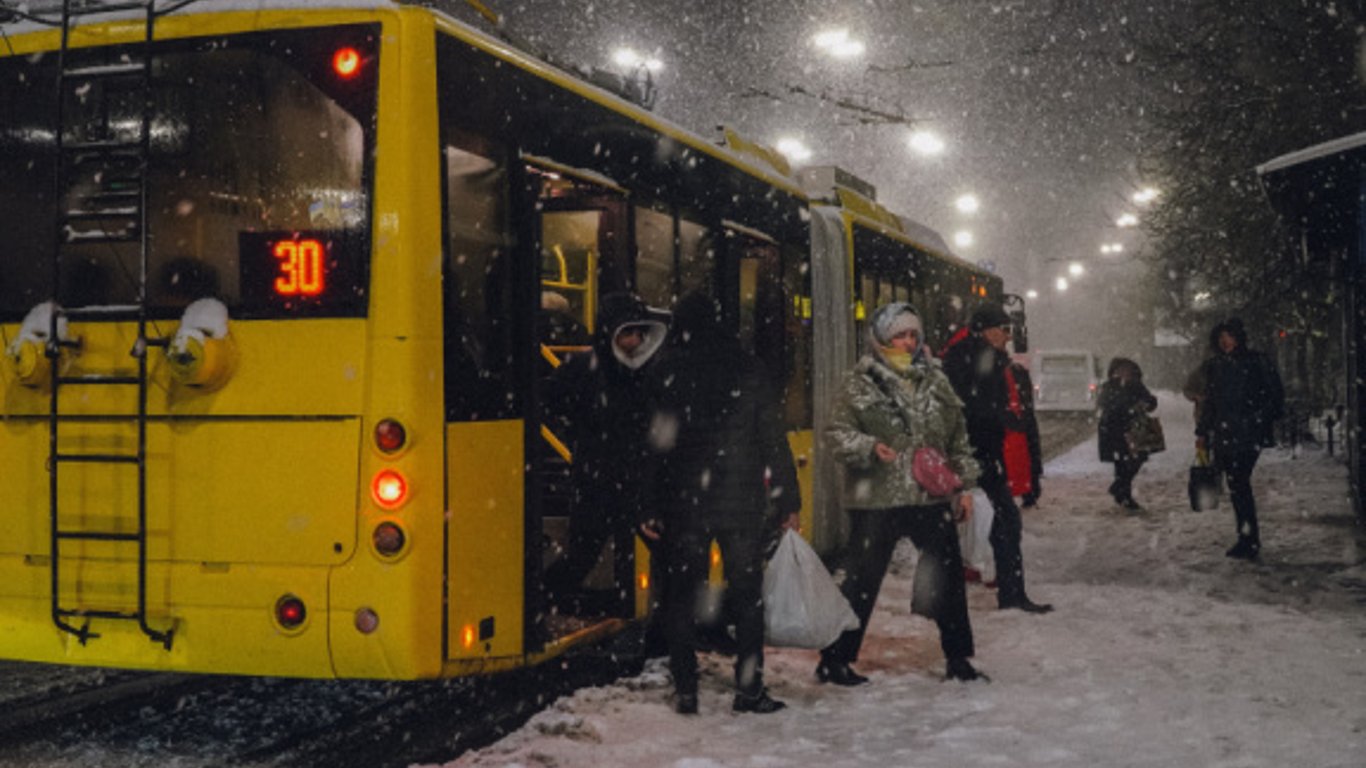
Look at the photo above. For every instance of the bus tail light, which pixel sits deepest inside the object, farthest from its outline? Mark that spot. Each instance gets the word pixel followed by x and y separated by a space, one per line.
pixel 388 539
pixel 390 489
pixel 290 612
pixel 367 621
pixel 390 436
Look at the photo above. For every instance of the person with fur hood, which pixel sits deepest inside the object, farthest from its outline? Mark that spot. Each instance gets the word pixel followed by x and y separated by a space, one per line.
pixel 894 403
pixel 599 405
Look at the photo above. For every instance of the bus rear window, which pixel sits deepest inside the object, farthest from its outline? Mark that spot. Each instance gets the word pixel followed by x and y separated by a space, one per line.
pixel 258 177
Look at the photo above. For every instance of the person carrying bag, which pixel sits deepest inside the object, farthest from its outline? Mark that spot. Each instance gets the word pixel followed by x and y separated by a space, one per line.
pixel 897 428
pixel 1127 434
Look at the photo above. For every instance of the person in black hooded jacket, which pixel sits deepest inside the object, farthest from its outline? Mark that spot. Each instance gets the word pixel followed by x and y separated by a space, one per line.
pixel 976 363
pixel 599 404
pixel 721 459
pixel 1243 399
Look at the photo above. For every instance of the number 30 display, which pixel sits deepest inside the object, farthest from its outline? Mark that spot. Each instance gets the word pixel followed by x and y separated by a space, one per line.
pixel 301 268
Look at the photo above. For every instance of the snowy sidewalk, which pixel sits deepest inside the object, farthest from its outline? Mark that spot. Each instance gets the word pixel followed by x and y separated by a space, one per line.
pixel 1162 652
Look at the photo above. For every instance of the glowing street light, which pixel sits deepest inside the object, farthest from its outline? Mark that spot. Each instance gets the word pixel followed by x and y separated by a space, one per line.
pixel 1109 248
pixel 1031 294
pixel 926 143
pixel 628 58
pixel 837 43
pixel 1062 284
pixel 967 203
pixel 1145 195
pixel 1075 269
pixel 962 238
pixel 793 149
pixel 1127 220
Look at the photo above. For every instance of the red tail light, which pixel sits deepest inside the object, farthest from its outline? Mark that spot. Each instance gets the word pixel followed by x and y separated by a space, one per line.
pixel 346 62
pixel 290 612
pixel 389 489
pixel 390 436
pixel 388 539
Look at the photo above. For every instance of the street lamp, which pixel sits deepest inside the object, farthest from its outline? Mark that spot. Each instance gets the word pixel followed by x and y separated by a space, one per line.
pixel 967 203
pixel 962 238
pixel 837 43
pixel 926 142
pixel 793 149
pixel 1145 195
pixel 1075 269
pixel 1031 294
pixel 1062 284
pixel 1109 248
pixel 1126 220
pixel 628 58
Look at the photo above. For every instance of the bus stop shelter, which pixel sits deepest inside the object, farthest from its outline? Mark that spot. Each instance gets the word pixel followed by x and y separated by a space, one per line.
pixel 1320 194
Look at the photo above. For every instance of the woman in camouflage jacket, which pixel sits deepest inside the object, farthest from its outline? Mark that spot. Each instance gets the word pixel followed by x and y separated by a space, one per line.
pixel 895 401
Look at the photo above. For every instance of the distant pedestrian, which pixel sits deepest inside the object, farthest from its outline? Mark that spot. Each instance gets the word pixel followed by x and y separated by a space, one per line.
pixel 1243 399
pixel 1122 397
pixel 894 403
pixel 976 363
pixel 721 459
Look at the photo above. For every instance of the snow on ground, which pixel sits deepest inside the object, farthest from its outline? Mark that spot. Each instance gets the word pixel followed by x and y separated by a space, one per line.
pixel 1162 652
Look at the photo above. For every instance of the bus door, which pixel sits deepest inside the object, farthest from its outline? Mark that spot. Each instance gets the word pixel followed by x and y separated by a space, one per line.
pixel 586 567
pixel 775 326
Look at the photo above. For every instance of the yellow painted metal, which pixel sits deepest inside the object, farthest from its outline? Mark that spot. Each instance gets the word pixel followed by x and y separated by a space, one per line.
pixel 486 539
pixel 222 617
pixel 803 453
pixel 557 444
pixel 404 377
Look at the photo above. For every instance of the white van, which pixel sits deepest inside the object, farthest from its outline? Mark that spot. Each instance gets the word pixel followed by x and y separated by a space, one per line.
pixel 1065 379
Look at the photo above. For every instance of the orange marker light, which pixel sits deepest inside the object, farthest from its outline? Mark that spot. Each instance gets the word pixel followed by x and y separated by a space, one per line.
pixel 389 489
pixel 467 636
pixel 390 435
pixel 346 62
pixel 644 581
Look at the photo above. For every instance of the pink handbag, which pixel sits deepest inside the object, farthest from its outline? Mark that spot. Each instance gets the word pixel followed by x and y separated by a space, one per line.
pixel 931 470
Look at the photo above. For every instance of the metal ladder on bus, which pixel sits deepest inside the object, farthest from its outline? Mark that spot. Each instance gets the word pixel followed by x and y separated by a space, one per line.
pixel 116 212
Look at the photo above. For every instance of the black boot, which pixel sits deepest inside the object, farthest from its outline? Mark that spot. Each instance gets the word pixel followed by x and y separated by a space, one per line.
pixel 685 703
pixel 1245 549
pixel 959 668
pixel 839 673
pixel 1025 604
pixel 760 703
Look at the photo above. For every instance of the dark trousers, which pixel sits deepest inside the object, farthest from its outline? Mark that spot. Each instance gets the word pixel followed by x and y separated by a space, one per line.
pixel 1006 531
pixel 687 558
pixel 595 521
pixel 1237 467
pixel 873 536
pixel 1126 469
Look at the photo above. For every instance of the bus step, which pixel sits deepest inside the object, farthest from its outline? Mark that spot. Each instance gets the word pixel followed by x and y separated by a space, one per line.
pixel 95 378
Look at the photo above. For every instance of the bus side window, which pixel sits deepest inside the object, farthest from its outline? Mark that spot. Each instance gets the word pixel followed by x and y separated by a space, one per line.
pixel 655 257
pixel 477 287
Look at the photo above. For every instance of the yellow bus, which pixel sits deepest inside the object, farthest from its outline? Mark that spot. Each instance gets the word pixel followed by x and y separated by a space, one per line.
pixel 272 298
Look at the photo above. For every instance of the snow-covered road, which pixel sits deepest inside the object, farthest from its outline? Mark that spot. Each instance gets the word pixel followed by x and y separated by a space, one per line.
pixel 1162 652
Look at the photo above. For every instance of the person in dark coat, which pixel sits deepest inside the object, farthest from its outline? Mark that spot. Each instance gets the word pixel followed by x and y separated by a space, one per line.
pixel 975 363
pixel 599 404
pixel 1122 396
pixel 721 460
pixel 1243 399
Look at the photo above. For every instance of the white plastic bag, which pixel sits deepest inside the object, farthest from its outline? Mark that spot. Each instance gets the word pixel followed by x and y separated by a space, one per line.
pixel 974 536
pixel 802 606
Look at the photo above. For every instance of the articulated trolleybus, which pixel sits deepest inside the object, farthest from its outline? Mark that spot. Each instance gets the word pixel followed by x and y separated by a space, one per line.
pixel 276 295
